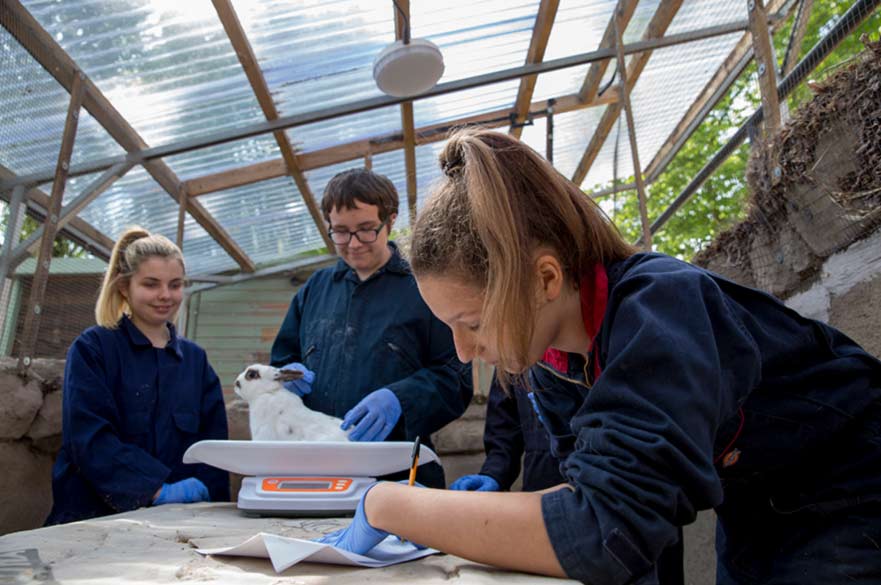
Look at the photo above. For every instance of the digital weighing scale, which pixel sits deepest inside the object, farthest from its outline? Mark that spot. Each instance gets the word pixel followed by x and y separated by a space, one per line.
pixel 305 478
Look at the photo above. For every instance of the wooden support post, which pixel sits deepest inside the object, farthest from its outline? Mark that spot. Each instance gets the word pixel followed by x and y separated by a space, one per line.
pixel 181 214
pixel 401 10
pixel 50 227
pixel 767 70
pixel 631 132
pixel 541 32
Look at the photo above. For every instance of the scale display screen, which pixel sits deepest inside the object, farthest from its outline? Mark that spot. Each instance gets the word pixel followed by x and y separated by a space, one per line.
pixel 303 485
pixel 280 485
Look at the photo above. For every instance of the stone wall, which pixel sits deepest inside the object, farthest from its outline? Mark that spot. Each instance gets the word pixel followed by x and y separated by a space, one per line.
pixel 30 436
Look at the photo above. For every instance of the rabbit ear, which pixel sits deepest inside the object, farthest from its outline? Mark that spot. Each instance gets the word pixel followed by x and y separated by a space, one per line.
pixel 288 375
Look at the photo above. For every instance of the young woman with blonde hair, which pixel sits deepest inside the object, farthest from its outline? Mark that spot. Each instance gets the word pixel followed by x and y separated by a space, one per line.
pixel 136 395
pixel 665 390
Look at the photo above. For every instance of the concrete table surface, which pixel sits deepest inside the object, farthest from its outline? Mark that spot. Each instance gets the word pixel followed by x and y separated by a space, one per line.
pixel 158 545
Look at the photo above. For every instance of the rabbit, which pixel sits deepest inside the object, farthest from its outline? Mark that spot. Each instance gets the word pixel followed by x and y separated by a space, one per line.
pixel 276 414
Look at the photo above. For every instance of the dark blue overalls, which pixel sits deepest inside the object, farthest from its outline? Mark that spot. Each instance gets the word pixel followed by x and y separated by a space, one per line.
pixel 362 336
pixel 714 395
pixel 130 411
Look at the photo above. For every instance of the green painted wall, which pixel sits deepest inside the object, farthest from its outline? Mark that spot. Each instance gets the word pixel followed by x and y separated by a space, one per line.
pixel 237 323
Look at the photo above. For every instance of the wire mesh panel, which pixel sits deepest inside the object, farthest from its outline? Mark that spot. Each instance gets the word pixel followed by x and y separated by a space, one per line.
pixel 67 307
pixel 33 111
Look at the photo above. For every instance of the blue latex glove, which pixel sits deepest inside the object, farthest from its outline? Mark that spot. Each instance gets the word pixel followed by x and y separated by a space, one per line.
pixel 374 417
pixel 359 536
pixel 475 483
pixel 302 386
pixel 184 491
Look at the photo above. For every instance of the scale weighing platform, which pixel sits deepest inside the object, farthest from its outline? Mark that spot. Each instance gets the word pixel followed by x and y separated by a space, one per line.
pixel 305 478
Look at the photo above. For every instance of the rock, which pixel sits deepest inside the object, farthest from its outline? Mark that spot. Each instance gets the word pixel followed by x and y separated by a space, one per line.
pixel 19 404
pixel 25 487
pixel 48 420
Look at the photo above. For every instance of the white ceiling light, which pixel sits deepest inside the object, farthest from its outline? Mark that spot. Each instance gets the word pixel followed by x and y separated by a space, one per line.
pixel 405 69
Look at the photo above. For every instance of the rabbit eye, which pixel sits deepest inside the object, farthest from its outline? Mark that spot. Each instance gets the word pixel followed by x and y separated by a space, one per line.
pixel 252 375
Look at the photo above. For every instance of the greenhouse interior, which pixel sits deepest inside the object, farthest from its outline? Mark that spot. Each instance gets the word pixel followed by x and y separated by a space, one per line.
pixel 739 136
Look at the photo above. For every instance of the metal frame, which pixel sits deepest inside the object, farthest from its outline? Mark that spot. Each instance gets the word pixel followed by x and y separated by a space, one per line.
pixel 59 64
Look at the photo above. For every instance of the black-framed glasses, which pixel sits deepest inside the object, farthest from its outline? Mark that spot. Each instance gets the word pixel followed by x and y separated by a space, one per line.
pixel 364 235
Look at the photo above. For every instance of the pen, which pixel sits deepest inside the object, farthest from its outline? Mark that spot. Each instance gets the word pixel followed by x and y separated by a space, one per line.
pixel 414 463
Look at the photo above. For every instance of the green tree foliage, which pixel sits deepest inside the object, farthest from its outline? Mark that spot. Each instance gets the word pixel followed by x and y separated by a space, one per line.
pixel 722 200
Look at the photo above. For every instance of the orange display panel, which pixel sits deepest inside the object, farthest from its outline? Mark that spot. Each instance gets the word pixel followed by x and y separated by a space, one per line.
pixel 305 484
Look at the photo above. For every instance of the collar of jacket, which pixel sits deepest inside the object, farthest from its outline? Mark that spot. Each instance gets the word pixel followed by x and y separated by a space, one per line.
pixel 138 339
pixel 594 289
pixel 396 264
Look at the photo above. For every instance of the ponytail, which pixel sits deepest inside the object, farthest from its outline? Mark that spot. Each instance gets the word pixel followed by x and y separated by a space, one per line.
pixel 498 202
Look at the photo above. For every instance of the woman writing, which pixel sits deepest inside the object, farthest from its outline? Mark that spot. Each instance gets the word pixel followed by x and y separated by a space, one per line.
pixel 665 390
pixel 136 395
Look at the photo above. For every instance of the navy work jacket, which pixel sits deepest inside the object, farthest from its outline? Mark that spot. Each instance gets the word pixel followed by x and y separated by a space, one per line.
pixel 512 432
pixel 130 410
pixel 362 336
pixel 708 391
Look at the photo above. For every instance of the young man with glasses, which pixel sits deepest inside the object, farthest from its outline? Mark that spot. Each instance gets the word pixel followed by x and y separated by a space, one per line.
pixel 372 351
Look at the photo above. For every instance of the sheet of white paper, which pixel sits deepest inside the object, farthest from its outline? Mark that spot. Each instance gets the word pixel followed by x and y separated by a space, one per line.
pixel 286 552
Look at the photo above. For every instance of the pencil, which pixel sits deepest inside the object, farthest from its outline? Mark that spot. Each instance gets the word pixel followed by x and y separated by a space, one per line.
pixel 414 463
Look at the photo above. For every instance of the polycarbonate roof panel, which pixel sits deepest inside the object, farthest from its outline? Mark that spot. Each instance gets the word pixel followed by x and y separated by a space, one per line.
pixel 317 53
pixel 136 199
pixel 572 132
pixel 333 132
pixel 579 28
pixel 470 102
pixel 32 116
pixel 166 65
pixel 269 220
pixel 224 157
pixel 669 85
pixel 475 37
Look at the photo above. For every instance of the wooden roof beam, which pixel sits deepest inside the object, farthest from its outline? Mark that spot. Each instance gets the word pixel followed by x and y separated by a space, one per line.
pixel 401 9
pixel 541 32
pixel 591 85
pixel 667 9
pixel 40 44
pixel 245 53
pixel 379 144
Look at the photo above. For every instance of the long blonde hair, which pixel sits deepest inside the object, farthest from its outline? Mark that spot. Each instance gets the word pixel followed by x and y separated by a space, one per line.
pixel 133 247
pixel 497 202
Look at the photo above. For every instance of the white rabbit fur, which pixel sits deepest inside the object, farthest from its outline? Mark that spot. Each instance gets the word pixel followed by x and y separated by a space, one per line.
pixel 276 414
